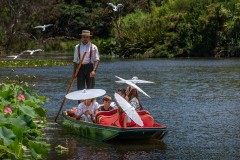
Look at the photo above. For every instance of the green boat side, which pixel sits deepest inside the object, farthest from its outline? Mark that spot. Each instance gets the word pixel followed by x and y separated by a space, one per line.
pixel 108 133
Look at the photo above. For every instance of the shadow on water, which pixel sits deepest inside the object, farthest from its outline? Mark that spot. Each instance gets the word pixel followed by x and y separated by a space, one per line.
pixel 197 99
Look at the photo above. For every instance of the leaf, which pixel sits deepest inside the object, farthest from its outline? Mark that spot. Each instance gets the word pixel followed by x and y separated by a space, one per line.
pixel 17 121
pixel 31 103
pixel 3 150
pixel 4 101
pixel 7 135
pixel 18 131
pixel 16 150
pixel 3 119
pixel 27 119
pixel 4 94
pixel 27 110
pixel 40 111
pixel 39 149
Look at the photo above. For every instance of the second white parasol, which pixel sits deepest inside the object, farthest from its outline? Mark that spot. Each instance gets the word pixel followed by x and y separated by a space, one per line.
pixel 136 80
pixel 133 85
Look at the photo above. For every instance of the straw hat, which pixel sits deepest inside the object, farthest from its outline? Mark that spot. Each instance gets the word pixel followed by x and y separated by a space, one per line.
pixel 86 33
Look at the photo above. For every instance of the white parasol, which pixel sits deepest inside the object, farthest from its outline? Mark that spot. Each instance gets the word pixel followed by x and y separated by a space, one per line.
pixel 136 80
pixel 128 109
pixel 85 94
pixel 133 85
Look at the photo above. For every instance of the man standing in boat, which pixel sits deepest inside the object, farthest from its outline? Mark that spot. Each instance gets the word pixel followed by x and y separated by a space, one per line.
pixel 87 72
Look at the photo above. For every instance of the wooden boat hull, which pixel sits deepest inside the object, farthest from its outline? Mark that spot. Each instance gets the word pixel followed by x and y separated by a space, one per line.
pixel 108 133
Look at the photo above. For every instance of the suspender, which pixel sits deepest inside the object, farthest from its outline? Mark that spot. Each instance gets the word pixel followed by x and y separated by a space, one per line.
pixel 90 51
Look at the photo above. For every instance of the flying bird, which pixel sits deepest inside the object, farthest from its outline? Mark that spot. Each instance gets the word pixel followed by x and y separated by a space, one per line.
pixel 15 56
pixel 44 26
pixel 32 51
pixel 115 7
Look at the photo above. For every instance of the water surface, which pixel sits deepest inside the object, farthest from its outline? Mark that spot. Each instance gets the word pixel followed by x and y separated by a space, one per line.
pixel 198 100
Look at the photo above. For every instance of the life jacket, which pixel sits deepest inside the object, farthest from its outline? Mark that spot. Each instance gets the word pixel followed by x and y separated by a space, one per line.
pixel 90 51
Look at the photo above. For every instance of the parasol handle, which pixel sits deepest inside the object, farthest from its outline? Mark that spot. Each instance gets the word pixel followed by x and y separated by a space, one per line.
pixel 71 84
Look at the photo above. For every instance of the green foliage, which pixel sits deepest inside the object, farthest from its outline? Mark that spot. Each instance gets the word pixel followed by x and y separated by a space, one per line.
pixel 19 131
pixel 182 28
pixel 156 28
pixel 33 63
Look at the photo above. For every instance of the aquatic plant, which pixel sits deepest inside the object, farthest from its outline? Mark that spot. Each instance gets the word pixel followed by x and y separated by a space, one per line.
pixel 34 63
pixel 21 120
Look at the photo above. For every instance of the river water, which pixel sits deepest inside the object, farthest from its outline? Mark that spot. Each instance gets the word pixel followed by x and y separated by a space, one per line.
pixel 197 99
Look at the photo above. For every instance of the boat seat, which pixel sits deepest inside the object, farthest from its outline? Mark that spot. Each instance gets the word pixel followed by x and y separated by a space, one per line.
pixel 147 119
pixel 143 112
pixel 106 113
pixel 107 118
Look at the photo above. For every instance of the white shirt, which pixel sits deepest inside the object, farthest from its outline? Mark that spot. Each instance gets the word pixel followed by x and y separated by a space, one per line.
pixel 82 108
pixel 83 49
pixel 135 103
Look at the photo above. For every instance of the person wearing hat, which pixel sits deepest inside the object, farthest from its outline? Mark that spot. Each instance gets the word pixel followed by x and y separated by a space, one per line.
pixel 87 72
pixel 106 106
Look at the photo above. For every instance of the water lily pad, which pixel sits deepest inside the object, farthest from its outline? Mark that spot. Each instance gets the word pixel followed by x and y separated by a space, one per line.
pixel 61 149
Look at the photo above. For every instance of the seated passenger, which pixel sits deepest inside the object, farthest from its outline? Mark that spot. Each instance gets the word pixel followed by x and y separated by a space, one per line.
pixel 124 120
pixel 132 98
pixel 71 112
pixel 122 92
pixel 106 106
pixel 87 110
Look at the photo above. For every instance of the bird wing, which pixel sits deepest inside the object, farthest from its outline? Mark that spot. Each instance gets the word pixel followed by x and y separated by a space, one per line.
pixel 38 27
pixel 120 6
pixel 26 51
pixel 11 56
pixel 38 50
pixel 112 5
pixel 48 25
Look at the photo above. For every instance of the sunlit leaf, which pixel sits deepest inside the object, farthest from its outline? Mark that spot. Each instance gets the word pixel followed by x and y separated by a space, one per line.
pixel 16 149
pixel 4 94
pixel 39 148
pixel 31 103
